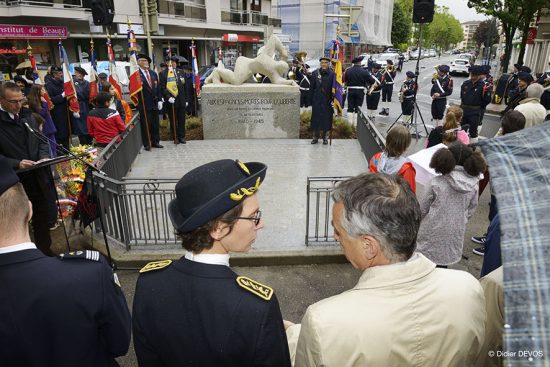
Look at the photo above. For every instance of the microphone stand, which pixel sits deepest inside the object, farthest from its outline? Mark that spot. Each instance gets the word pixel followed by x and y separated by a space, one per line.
pixel 40 136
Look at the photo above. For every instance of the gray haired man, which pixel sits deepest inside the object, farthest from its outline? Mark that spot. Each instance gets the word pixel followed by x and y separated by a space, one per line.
pixel 403 311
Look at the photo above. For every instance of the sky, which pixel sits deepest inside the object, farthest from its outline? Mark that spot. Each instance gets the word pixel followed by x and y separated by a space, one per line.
pixel 459 8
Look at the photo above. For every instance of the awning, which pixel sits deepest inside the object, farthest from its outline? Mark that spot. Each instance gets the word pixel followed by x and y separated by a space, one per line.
pixel 233 37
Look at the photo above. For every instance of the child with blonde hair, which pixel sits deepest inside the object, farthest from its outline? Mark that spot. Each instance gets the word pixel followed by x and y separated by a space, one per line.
pixel 450 131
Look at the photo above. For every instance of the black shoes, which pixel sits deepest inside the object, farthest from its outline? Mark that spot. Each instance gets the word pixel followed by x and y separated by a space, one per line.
pixel 147 148
pixel 384 112
pixel 182 141
pixel 325 141
pixel 314 141
pixel 157 145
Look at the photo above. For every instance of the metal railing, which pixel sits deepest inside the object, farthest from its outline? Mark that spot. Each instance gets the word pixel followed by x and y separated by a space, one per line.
pixel 134 211
pixel 318 210
pixel 370 139
pixel 181 9
pixel 84 4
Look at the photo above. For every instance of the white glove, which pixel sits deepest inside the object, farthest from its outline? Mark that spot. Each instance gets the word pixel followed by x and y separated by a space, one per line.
pixel 63 94
pixel 159 105
pixel 186 104
pixel 171 100
pixel 76 115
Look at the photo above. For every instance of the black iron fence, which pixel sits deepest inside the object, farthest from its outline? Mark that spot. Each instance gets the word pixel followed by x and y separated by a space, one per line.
pixel 369 137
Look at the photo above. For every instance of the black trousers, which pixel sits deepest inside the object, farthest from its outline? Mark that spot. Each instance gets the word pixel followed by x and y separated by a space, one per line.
pixel 40 190
pixel 387 91
pixel 407 106
pixel 372 101
pixel 355 99
pixel 149 127
pixel 471 118
pixel 438 108
pixel 305 98
pixel 179 112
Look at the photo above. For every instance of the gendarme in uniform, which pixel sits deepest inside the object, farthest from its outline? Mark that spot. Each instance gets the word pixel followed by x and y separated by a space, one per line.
pixel 196 311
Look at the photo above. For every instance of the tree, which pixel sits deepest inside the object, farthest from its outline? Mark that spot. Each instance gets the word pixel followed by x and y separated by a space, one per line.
pixel 486 34
pixel 401 26
pixel 513 15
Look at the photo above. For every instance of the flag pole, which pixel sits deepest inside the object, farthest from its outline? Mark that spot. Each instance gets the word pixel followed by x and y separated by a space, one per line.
pixel 62 57
pixel 194 52
pixel 173 119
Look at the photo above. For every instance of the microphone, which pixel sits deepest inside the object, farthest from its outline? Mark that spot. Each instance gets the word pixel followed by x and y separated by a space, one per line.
pixel 61 148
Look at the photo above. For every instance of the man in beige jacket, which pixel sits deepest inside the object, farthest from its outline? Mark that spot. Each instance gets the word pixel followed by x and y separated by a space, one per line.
pixel 403 311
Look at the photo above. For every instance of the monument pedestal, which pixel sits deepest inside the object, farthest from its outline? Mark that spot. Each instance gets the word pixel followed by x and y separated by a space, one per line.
pixel 250 111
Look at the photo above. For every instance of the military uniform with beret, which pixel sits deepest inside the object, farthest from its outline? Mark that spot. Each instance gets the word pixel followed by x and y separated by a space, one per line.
pixel 196 311
pixel 148 106
pixel 373 96
pixel 80 127
pixel 175 110
pixel 521 93
pixel 356 79
pixel 474 96
pixel 56 90
pixel 61 311
pixel 322 99
pixel 388 77
pixel 408 90
pixel 444 86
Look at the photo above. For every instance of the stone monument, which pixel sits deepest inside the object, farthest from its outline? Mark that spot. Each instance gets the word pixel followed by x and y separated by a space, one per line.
pixel 233 109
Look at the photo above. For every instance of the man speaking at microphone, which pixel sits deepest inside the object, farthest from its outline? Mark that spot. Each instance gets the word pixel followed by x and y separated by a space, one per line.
pixel 23 149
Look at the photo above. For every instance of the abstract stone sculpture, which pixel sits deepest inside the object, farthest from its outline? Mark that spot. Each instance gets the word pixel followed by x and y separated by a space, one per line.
pixel 264 63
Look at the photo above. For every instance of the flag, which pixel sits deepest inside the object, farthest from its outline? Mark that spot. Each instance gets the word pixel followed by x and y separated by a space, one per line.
pixel 48 99
pixel 135 78
pixel 113 75
pixel 337 85
pixel 171 83
pixel 94 79
pixel 69 89
pixel 35 75
pixel 196 79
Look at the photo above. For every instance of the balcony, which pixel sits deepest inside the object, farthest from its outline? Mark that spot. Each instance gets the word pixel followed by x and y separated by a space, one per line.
pixel 253 18
pixel 64 4
pixel 182 9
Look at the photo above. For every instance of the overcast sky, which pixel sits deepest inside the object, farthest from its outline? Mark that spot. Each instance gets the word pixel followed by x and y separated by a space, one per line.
pixel 459 8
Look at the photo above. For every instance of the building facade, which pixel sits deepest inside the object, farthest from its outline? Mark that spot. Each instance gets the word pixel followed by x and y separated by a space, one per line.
pixel 304 20
pixel 237 26
pixel 537 52
pixel 469 29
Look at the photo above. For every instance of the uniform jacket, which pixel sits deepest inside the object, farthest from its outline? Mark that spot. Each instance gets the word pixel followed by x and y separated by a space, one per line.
pixel 534 112
pixel 377 77
pixel 83 94
pixel 405 314
pixel 195 314
pixel 475 94
pixel 446 84
pixel 408 89
pixel 151 93
pixel 104 124
pixel 302 79
pixel 448 204
pixel 512 89
pixel 545 98
pixel 388 78
pixel 357 76
pixel 321 99
pixel 180 82
pixel 59 112
pixel 60 312
pixel 380 162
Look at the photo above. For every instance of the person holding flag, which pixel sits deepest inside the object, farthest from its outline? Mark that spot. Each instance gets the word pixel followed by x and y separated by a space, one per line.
pixel 113 75
pixel 322 83
pixel 82 87
pixel 197 79
pixel 172 86
pixel 337 84
pixel 55 89
pixel 145 94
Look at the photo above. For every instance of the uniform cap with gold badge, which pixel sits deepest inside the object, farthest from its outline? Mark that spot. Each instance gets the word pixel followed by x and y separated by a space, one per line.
pixel 8 178
pixel 210 190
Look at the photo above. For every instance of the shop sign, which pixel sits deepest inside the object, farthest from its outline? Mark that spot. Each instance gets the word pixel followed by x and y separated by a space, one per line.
pixel 138 29
pixel 232 38
pixel 284 38
pixel 11 31
pixel 12 50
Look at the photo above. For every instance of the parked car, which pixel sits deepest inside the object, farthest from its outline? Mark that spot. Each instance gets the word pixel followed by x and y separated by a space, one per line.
pixel 393 56
pixel 365 60
pixel 431 52
pixel 467 56
pixel 459 66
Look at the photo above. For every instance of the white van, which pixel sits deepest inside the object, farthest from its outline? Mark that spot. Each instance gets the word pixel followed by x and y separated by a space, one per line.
pixel 123 73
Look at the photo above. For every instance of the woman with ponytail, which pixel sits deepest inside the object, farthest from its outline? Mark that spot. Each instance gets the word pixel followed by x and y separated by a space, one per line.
pixel 118 104
pixel 450 201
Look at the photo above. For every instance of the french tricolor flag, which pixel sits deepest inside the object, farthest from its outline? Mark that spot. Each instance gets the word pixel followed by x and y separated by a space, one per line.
pixel 70 91
pixel 135 78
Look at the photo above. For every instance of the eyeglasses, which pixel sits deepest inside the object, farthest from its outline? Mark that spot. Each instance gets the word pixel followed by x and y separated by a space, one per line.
pixel 14 101
pixel 256 218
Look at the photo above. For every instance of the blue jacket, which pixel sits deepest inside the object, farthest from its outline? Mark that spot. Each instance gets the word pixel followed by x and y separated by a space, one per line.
pixel 151 93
